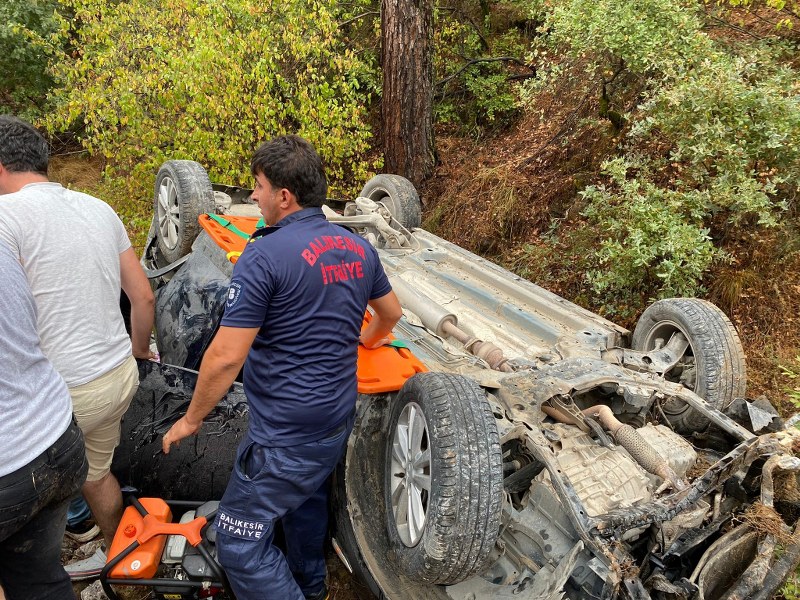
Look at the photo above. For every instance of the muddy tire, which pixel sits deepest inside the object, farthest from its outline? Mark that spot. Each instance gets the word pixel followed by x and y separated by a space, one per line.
pixel 713 365
pixel 182 193
pixel 444 479
pixel 363 584
pixel 399 197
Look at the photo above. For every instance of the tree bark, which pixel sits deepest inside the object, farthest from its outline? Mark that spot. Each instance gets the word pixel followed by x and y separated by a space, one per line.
pixel 407 103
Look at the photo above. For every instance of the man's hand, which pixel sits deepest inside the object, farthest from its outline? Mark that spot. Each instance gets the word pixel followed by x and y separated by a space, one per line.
pixel 181 429
pixel 221 363
pixel 386 312
pixel 376 344
pixel 146 355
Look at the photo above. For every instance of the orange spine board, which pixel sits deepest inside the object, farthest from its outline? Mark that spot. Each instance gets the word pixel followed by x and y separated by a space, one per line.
pixel 225 238
pixel 385 369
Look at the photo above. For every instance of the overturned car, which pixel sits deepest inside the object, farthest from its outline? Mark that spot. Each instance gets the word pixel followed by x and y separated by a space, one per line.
pixel 533 449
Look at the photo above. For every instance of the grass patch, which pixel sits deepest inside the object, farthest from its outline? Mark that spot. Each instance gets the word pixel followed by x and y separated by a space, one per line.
pixel 483 212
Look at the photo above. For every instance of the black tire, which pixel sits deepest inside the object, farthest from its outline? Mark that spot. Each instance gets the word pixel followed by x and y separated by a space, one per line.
pixel 363 584
pixel 713 365
pixel 399 197
pixel 182 193
pixel 461 510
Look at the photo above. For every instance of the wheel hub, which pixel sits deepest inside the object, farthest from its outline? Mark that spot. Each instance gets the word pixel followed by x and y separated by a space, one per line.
pixel 168 213
pixel 411 481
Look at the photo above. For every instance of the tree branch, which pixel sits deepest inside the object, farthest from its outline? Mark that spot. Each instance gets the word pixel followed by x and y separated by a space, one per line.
pixel 478 30
pixel 474 61
pixel 357 17
pixel 734 27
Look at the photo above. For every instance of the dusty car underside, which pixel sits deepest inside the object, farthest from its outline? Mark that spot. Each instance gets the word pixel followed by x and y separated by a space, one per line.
pixel 547 453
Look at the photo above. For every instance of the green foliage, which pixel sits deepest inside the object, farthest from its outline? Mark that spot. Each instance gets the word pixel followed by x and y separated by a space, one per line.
pixel 715 139
pixel 653 239
pixel 26 29
pixel 648 36
pixel 473 90
pixel 360 31
pixel 787 11
pixel 483 98
pixel 209 81
pixel 734 125
pixel 792 372
pixel 791 589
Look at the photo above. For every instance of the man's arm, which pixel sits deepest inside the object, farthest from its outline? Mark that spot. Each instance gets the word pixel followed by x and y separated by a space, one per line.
pixel 221 364
pixel 387 312
pixel 137 288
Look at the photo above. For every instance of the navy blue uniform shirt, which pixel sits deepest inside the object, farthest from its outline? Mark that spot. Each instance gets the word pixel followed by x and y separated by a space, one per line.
pixel 305 284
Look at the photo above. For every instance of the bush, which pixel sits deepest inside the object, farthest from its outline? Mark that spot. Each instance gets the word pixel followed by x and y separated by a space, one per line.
pixel 714 139
pixel 209 81
pixel 653 240
pixel 26 29
pixel 651 37
pixel 734 123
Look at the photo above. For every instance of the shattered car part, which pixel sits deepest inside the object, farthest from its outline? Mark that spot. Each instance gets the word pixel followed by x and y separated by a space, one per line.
pixel 554 455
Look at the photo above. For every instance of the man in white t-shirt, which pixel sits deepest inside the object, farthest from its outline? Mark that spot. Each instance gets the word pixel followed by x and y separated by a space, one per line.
pixel 76 254
pixel 40 467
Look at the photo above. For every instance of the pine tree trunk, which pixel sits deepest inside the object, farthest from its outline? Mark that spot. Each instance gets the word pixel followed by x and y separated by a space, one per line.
pixel 407 105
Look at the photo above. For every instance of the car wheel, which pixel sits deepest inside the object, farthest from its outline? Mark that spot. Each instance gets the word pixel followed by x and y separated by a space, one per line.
pixel 444 478
pixel 713 365
pixel 183 193
pixel 399 197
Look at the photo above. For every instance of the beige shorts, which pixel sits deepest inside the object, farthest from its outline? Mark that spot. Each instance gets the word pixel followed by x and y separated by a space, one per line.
pixel 98 407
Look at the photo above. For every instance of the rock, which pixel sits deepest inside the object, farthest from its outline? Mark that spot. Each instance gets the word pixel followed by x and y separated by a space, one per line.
pixel 94 592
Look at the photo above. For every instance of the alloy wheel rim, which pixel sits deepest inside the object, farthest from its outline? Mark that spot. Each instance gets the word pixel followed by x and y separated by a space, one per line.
pixel 410 474
pixel 168 213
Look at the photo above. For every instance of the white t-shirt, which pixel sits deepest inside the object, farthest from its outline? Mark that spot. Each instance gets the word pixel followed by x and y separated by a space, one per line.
pixel 35 406
pixel 69 245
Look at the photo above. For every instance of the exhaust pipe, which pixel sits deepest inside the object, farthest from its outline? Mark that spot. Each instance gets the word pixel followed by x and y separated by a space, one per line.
pixel 444 323
pixel 630 439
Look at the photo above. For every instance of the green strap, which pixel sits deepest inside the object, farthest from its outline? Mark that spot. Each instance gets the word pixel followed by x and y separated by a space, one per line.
pixel 229 226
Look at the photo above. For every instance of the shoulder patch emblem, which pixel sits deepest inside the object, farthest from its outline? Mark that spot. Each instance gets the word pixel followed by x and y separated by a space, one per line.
pixel 234 293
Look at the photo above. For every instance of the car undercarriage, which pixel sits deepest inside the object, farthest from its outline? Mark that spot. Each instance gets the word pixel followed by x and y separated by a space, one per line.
pixel 545 452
